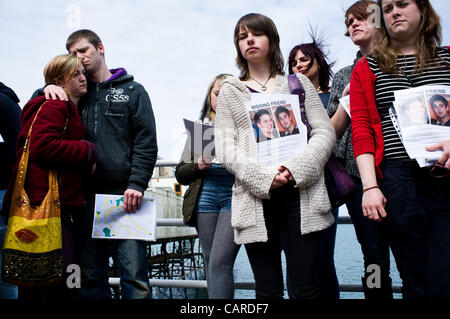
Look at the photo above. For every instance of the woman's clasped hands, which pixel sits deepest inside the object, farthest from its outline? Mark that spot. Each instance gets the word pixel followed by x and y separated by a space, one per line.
pixel 282 178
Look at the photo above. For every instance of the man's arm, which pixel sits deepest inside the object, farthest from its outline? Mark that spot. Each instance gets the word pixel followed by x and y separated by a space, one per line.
pixel 144 151
pixel 51 91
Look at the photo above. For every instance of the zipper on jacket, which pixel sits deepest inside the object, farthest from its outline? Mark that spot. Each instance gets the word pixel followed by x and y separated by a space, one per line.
pixel 96 110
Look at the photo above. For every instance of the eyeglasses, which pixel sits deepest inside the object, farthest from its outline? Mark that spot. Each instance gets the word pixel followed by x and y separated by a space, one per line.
pixel 439 171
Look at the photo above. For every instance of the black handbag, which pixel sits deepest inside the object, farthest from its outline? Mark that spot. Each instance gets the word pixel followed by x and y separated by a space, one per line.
pixel 339 184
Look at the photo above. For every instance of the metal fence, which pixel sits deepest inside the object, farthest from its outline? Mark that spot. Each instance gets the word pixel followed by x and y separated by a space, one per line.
pixel 201 284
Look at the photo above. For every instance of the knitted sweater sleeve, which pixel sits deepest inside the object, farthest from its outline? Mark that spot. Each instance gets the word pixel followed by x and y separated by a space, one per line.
pixel 235 144
pixel 307 167
pixel 340 81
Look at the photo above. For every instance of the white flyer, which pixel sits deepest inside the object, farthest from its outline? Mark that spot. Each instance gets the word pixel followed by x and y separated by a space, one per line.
pixel 345 101
pixel 277 126
pixel 423 119
pixel 112 222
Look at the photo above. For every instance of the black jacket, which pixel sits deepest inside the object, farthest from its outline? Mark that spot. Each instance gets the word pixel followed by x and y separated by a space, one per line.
pixel 9 130
pixel 119 120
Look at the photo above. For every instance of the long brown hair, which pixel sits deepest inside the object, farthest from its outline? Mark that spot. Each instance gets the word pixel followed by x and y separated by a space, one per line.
pixel 261 23
pixel 430 35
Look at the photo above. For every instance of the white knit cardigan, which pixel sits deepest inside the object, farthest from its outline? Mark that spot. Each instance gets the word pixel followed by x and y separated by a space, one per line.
pixel 236 148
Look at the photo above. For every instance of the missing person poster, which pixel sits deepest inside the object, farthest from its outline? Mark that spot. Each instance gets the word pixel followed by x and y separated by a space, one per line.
pixel 277 126
pixel 424 120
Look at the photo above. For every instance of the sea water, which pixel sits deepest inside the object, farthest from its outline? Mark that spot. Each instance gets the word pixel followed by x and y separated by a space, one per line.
pixel 348 260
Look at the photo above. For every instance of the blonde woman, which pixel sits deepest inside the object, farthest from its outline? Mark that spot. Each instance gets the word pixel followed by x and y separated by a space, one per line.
pixel 207 206
pixel 57 142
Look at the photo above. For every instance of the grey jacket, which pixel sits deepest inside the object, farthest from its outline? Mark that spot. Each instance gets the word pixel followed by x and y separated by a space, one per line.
pixel 344 146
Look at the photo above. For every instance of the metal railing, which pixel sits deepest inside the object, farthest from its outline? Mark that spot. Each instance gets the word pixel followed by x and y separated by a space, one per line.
pixel 201 284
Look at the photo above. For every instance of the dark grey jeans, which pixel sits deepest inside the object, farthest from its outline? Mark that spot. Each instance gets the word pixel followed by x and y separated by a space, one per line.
pixel 282 216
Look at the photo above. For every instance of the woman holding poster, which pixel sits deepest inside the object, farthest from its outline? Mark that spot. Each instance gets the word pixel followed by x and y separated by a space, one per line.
pixel 207 205
pixel 273 208
pixel 411 202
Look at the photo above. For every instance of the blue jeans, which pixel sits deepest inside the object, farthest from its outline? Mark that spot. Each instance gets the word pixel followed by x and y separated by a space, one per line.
pixel 7 291
pixel 215 194
pixel 418 222
pixel 94 254
pixel 373 239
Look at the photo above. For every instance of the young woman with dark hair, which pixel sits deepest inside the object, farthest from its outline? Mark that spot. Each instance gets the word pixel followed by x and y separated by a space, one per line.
pixel 273 208
pixel 310 60
pixel 411 201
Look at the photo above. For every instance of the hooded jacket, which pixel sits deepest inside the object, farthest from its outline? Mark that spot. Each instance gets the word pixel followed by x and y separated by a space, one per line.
pixel 118 117
pixel 9 130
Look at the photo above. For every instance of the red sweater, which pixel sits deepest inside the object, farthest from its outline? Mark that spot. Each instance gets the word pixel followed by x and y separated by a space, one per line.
pixel 367 135
pixel 51 149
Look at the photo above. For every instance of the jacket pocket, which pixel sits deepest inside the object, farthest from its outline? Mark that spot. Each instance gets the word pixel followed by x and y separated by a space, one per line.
pixel 116 120
pixel 243 208
pixel 317 196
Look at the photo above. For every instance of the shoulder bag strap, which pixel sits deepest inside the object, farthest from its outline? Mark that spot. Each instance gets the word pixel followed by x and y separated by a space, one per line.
pixel 295 87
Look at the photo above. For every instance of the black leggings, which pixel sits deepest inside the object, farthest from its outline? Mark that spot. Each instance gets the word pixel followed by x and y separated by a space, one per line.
pixel 282 217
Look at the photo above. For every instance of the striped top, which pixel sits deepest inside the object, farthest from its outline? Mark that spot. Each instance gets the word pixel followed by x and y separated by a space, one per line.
pixel 386 84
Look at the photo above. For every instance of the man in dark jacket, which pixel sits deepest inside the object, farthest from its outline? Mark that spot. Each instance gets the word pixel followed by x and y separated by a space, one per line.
pixel 9 129
pixel 118 117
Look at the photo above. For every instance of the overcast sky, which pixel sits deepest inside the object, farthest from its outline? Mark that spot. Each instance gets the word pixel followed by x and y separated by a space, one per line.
pixel 173 47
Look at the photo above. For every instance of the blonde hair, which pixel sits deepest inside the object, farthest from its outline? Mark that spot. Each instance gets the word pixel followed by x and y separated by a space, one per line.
pixel 207 110
pixel 426 47
pixel 61 67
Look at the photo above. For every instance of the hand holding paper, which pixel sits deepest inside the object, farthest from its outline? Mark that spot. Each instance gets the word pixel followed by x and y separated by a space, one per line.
pixel 444 146
pixel 203 162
